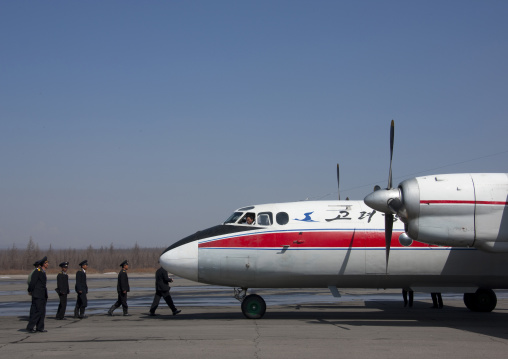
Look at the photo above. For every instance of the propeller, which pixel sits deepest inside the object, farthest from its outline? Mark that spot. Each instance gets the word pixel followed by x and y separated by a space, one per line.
pixel 387 201
pixel 389 217
pixel 338 182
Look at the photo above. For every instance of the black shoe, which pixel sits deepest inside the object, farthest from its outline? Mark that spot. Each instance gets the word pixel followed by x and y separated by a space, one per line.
pixel 110 314
pixel 31 330
pixel 126 315
pixel 176 312
pixel 152 314
pixel 41 331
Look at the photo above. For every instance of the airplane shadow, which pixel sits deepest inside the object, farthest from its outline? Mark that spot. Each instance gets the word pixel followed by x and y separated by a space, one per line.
pixel 374 313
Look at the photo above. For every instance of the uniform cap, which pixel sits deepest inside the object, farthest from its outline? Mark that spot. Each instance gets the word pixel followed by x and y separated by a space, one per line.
pixel 64 264
pixel 124 263
pixel 85 262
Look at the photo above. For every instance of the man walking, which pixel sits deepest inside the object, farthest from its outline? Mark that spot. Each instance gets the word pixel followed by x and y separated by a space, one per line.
pixel 122 288
pixel 162 280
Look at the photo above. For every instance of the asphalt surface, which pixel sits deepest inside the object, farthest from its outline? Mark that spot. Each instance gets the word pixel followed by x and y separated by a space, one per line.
pixel 368 324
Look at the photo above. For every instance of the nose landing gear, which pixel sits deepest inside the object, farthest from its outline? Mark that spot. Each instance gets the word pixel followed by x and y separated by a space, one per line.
pixel 253 305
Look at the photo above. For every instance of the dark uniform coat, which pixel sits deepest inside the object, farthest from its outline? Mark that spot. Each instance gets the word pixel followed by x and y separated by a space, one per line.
pixel 39 291
pixel 123 282
pixel 81 282
pixel 62 284
pixel 162 280
pixel 37 284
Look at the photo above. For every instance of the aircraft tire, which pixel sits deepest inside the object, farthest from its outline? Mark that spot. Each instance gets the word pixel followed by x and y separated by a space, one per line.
pixel 253 306
pixel 469 301
pixel 484 300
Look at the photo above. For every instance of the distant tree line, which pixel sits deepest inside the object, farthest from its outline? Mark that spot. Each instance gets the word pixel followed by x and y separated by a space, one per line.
pixel 101 260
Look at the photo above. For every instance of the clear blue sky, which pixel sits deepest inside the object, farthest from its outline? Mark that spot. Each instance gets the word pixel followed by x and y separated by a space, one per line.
pixel 145 121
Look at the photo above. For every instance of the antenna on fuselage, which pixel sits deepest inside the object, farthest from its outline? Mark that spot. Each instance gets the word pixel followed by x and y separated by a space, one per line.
pixel 338 181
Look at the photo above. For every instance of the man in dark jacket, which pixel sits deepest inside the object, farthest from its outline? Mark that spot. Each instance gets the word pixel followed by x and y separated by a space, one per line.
pixel 82 290
pixel 122 288
pixel 62 289
pixel 32 307
pixel 162 280
pixel 37 289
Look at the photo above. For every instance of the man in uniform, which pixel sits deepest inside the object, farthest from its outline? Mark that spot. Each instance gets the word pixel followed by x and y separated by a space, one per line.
pixel 122 288
pixel 82 290
pixel 162 280
pixel 32 306
pixel 39 292
pixel 62 289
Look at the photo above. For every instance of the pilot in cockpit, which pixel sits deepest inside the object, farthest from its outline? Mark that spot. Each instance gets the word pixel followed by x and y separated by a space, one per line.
pixel 249 219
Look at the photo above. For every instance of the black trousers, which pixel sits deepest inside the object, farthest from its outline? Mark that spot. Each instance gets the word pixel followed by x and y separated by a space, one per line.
pixel 82 301
pixel 411 296
pixel 62 306
pixel 437 300
pixel 121 301
pixel 157 298
pixel 38 315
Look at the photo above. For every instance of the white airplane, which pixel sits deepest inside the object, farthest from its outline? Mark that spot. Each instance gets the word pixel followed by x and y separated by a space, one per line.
pixel 439 233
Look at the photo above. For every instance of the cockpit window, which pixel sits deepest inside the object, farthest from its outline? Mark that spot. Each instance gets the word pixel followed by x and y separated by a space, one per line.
pixel 265 219
pixel 249 218
pixel 234 217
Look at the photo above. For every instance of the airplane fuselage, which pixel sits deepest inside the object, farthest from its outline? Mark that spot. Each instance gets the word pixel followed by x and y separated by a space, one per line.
pixel 323 244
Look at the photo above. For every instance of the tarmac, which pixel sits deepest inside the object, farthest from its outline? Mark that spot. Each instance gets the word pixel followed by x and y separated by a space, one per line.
pixel 364 323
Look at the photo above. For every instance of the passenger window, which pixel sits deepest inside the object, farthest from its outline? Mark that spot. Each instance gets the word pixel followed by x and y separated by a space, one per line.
pixel 265 218
pixel 282 218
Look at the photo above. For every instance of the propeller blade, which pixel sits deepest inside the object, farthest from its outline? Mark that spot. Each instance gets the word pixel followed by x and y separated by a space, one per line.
pixel 388 236
pixel 338 182
pixel 392 134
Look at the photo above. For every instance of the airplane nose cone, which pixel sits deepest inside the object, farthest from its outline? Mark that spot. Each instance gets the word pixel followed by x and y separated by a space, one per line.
pixel 379 199
pixel 182 260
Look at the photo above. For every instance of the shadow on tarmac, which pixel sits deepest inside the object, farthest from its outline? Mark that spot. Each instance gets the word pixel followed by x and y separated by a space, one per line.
pixel 375 313
pixel 384 314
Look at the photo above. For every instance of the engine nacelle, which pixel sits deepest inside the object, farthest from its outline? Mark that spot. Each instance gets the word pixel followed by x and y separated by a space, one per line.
pixel 460 210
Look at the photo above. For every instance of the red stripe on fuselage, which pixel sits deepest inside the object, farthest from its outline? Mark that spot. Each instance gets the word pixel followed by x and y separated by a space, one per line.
pixel 463 202
pixel 332 239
